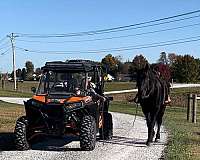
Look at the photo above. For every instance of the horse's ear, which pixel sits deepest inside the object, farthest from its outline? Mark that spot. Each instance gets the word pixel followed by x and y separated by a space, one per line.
pixel 147 67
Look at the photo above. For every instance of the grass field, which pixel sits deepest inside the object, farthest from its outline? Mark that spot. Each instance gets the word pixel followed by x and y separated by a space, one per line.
pixel 24 89
pixel 117 86
pixel 26 86
pixel 8 115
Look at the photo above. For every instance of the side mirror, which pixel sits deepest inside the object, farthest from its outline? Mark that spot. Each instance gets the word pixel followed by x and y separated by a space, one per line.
pixel 33 89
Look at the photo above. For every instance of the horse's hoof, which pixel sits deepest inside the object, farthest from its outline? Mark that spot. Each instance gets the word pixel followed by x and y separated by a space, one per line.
pixel 148 144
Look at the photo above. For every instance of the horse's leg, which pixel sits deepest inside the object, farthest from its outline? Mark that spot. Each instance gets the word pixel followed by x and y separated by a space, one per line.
pixel 148 121
pixel 159 122
pixel 151 131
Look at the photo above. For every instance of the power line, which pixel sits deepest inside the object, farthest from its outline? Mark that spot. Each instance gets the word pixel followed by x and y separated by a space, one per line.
pixel 151 45
pixel 109 30
pixel 114 37
pixel 3 53
pixel 5 47
pixel 4 38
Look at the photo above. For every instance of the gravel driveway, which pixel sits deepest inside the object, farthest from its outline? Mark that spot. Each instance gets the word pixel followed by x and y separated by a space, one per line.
pixel 128 143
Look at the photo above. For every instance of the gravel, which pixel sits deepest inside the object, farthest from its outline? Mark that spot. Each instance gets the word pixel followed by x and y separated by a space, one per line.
pixel 128 143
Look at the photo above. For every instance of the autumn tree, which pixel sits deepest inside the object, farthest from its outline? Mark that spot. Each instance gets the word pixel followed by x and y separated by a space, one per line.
pixel 29 70
pixel 29 67
pixel 126 67
pixel 186 69
pixel 171 58
pixel 138 62
pixel 164 69
pixel 110 64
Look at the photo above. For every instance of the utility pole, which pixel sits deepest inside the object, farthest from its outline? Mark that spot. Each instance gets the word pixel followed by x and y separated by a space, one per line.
pixel 12 39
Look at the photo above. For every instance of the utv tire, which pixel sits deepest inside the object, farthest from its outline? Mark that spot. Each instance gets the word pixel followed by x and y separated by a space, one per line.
pixel 21 141
pixel 107 131
pixel 88 133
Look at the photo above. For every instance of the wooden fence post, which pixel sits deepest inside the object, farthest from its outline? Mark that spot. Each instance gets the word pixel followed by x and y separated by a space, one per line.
pixel 189 107
pixel 3 84
pixel 194 108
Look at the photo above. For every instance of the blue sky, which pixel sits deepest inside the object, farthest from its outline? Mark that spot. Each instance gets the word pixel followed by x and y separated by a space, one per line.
pixel 53 16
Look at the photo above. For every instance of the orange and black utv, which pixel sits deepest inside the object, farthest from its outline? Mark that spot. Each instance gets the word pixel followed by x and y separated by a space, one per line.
pixel 64 104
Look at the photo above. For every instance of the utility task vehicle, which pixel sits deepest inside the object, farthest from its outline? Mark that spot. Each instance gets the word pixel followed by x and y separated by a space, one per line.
pixel 68 101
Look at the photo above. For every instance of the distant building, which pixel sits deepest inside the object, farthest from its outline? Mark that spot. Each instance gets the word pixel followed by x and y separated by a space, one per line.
pixel 109 78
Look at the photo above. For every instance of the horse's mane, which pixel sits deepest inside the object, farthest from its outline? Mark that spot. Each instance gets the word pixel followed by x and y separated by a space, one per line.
pixel 153 77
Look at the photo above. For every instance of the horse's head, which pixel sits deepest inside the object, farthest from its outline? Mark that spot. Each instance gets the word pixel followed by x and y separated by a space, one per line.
pixel 144 82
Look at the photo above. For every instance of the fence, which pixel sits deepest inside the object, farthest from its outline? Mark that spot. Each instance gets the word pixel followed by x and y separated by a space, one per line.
pixel 21 86
pixel 192 107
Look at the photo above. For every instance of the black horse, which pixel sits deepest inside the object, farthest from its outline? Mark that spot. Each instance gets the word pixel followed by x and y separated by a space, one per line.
pixel 151 95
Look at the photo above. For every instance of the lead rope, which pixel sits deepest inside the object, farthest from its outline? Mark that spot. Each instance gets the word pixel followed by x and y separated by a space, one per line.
pixel 102 131
pixel 136 110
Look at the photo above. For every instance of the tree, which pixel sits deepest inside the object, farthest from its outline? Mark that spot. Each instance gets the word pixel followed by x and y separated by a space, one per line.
pixel 110 64
pixel 119 62
pixel 171 58
pixel 19 73
pixel 163 58
pixel 29 70
pixel 29 67
pixel 186 69
pixel 126 67
pixel 23 74
pixel 198 62
pixel 138 62
pixel 164 70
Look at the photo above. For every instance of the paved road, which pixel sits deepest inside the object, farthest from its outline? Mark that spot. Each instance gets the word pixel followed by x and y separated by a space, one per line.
pixel 128 143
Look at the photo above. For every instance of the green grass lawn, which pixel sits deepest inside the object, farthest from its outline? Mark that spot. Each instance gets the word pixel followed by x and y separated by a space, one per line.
pixel 185 90
pixel 7 93
pixel 8 115
pixel 26 86
pixel 117 86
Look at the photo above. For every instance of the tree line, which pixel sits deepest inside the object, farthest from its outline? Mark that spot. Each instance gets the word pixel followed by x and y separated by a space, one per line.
pixel 180 68
pixel 27 73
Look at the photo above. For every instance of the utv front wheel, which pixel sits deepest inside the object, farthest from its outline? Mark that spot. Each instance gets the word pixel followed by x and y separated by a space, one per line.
pixel 20 132
pixel 88 133
pixel 107 131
